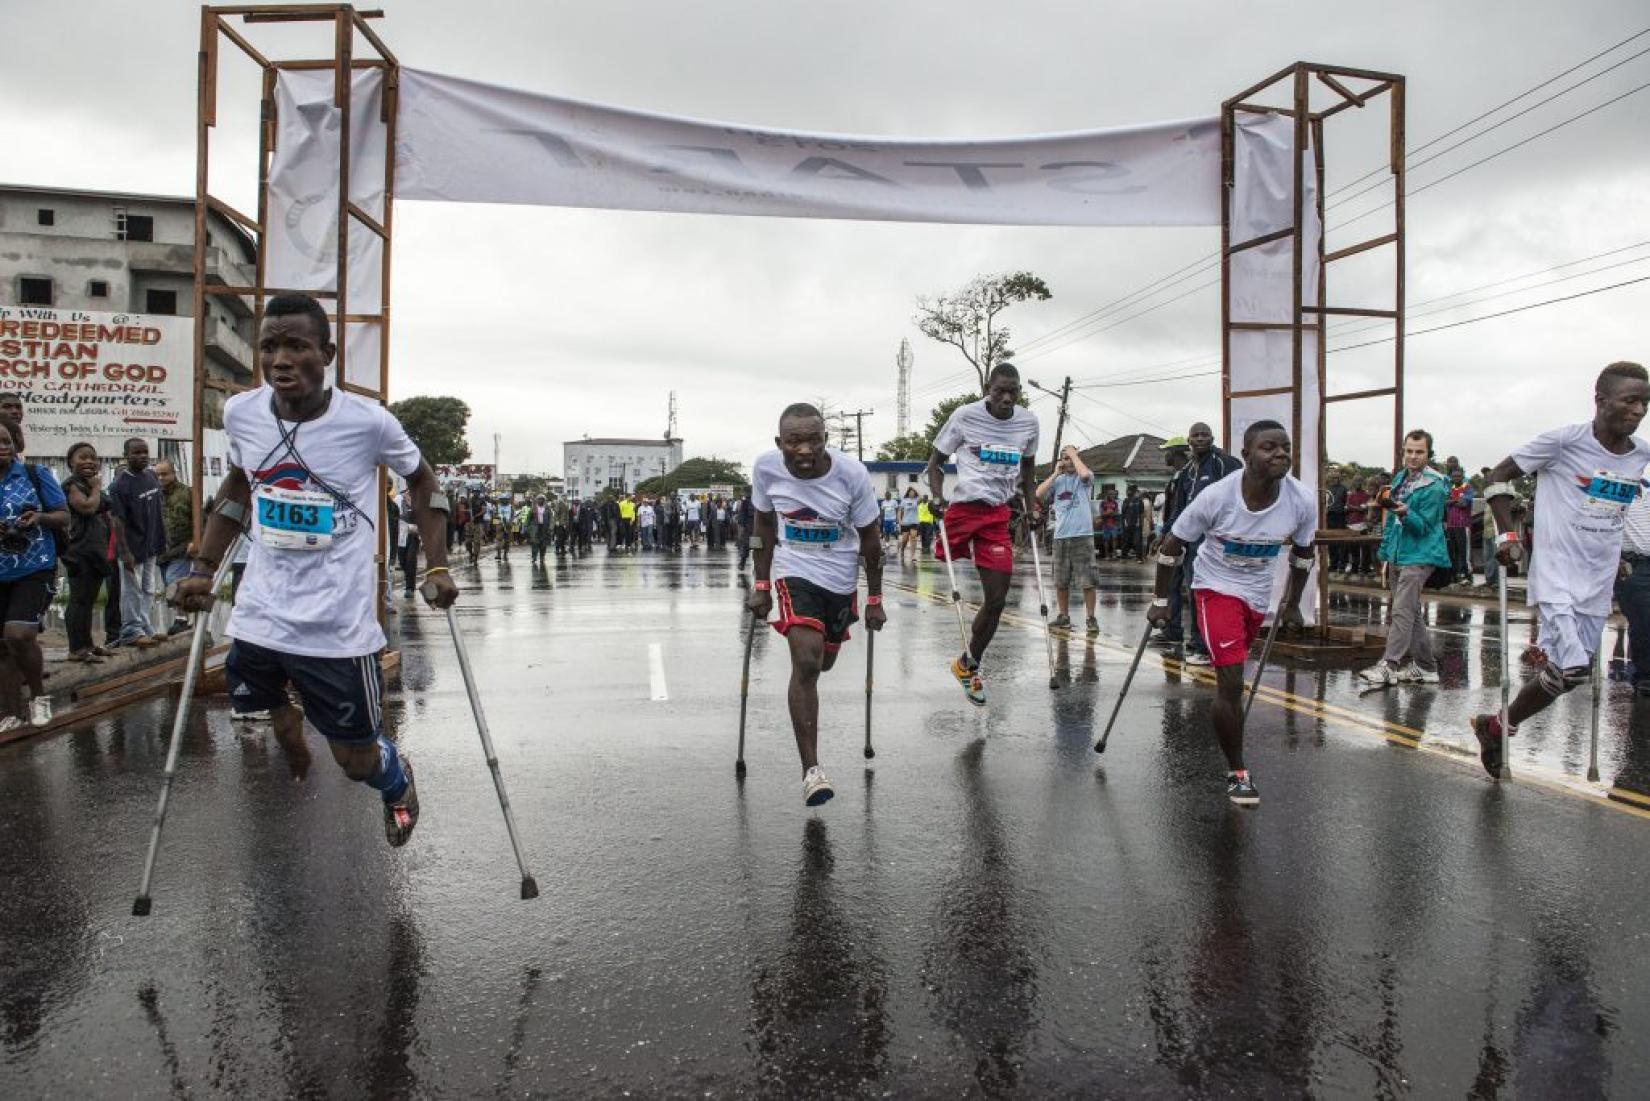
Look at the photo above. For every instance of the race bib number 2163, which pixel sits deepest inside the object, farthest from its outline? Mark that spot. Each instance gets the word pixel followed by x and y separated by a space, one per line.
pixel 294 519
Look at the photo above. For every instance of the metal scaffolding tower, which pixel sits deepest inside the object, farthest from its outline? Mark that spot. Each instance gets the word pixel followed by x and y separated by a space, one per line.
pixel 902 415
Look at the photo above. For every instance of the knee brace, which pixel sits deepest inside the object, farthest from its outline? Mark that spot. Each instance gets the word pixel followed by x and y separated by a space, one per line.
pixel 1555 682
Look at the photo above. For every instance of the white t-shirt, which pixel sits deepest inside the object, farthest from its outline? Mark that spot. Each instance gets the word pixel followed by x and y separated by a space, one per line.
pixel 818 518
pixel 988 451
pixel 317 603
pixel 1239 556
pixel 693 512
pixel 1580 498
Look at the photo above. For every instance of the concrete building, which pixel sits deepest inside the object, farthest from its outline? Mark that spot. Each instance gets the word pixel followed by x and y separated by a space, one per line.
pixel 122 253
pixel 1135 460
pixel 897 476
pixel 593 464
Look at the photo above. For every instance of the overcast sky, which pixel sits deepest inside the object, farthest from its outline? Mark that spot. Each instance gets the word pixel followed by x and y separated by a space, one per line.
pixel 556 323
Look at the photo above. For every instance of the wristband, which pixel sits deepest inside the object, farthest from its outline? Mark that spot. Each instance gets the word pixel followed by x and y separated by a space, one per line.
pixel 1160 602
pixel 1507 537
pixel 194 572
pixel 763 586
pixel 1300 563
pixel 874 601
pixel 425 576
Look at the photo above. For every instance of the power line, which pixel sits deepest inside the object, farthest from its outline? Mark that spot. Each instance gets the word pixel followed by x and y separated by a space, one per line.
pixel 1078 339
pixel 1503 104
pixel 1429 185
pixel 1196 267
pixel 1501 313
pixel 1123 413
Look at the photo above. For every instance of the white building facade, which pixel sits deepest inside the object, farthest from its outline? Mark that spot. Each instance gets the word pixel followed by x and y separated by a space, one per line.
pixel 124 253
pixel 593 464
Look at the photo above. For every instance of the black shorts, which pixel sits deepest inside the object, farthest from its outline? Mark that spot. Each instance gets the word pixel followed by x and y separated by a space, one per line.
pixel 804 604
pixel 25 599
pixel 343 698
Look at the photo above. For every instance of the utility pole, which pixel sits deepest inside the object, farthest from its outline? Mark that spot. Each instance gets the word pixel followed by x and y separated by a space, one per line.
pixel 496 471
pixel 1064 394
pixel 859 416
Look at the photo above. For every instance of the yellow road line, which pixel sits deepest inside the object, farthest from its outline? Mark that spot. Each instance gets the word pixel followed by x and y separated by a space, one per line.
pixel 1615 798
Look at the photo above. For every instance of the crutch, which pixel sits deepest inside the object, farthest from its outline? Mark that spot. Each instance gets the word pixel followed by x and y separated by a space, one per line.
pixel 1042 600
pixel 1598 700
pixel 1265 653
pixel 529 886
pixel 197 646
pixel 870 660
pixel 956 594
pixel 1506 671
pixel 1145 637
pixel 744 699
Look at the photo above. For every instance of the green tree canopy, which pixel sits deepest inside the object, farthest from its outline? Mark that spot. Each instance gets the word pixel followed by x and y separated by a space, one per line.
pixel 966 318
pixel 436 424
pixel 695 472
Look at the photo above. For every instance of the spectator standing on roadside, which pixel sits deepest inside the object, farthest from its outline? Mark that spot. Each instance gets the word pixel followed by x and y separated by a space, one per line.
pixel 1335 518
pixel 1070 490
pixel 136 496
pixel 178 519
pixel 93 562
pixel 925 523
pixel 1458 527
pixel 1207 465
pixel 32 507
pixel 1132 512
pixel 1412 546
pixel 1632 586
pixel 1355 560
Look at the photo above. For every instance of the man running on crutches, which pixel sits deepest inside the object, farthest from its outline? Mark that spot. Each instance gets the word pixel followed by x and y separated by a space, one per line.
pixel 817 516
pixel 1244 521
pixel 1590 473
pixel 303 483
pixel 995 441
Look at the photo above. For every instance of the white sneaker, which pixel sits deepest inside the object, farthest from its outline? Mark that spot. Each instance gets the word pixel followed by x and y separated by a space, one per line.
pixel 8 723
pixel 1414 674
pixel 40 710
pixel 816 789
pixel 1380 673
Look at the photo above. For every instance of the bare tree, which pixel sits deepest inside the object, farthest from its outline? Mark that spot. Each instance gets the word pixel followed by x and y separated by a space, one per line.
pixel 967 318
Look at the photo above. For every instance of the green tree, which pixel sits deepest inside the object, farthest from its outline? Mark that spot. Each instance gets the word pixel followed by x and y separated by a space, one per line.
pixel 966 319
pixel 912 445
pixel 436 424
pixel 695 472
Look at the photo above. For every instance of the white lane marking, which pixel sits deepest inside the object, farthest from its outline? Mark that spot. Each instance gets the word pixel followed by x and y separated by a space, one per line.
pixel 656 670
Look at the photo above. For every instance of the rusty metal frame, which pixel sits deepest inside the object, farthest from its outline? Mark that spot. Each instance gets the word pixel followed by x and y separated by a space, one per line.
pixel 348 22
pixel 1310 309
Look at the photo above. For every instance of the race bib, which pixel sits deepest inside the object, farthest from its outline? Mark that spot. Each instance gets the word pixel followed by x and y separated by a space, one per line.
pixel 999 454
pixel 1607 492
pixel 1247 555
pixel 811 534
pixel 294 519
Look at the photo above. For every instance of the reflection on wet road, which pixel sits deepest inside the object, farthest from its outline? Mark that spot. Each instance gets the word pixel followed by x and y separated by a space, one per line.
pixel 990 909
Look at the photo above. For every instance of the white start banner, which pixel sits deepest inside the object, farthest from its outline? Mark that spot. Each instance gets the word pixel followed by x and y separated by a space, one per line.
pixel 462 140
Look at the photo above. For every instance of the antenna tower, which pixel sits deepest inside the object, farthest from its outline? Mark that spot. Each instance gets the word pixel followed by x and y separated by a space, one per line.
pixel 902 416
pixel 670 429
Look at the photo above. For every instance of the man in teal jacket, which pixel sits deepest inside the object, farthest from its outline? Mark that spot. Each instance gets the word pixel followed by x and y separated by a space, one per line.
pixel 1412 545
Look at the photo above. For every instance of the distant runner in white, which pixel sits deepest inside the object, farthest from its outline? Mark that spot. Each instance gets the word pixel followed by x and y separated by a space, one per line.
pixel 816 518
pixel 1244 520
pixel 1590 474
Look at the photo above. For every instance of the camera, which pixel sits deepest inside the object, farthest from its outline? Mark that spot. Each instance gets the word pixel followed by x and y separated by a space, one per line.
pixel 14 540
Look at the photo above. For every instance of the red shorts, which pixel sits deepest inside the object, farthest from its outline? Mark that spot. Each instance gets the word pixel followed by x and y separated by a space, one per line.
pixel 804 604
pixel 1229 626
pixel 980 532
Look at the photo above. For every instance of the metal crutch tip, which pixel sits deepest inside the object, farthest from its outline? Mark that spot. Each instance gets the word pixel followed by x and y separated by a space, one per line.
pixel 141 906
pixel 529 887
pixel 1099 747
pixel 1053 683
pixel 739 770
pixel 869 753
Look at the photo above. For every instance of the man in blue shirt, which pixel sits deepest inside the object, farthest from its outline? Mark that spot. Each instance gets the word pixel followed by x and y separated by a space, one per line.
pixel 1071 486
pixel 137 498
pixel 31 506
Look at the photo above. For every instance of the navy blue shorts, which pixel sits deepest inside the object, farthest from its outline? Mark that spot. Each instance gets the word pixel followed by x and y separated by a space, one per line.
pixel 343 698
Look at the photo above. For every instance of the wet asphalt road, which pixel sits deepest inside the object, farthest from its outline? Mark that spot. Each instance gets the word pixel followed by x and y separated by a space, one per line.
pixel 989 909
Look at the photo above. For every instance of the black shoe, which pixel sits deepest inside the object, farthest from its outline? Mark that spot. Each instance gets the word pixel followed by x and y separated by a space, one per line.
pixel 1492 747
pixel 402 815
pixel 1240 789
